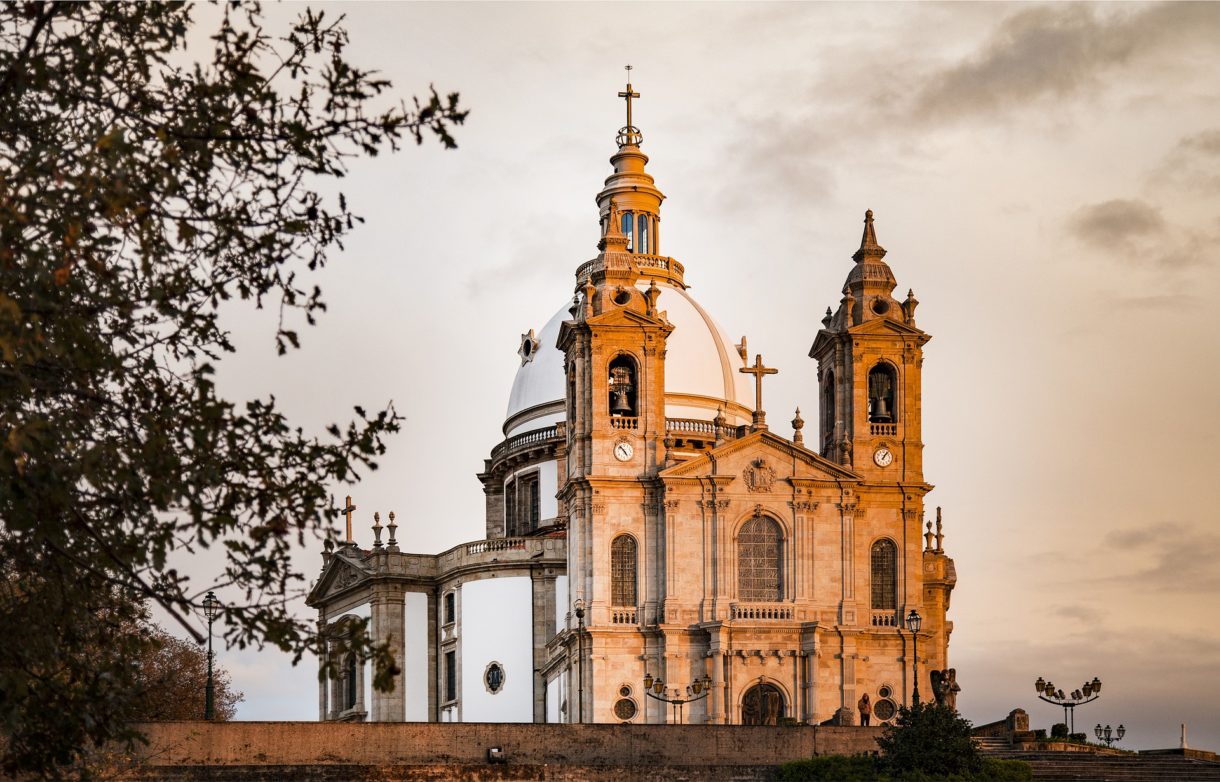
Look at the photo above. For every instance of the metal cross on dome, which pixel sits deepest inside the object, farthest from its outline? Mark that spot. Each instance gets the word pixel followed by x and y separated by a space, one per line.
pixel 630 134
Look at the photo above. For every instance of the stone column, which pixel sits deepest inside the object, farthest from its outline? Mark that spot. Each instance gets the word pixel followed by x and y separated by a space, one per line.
pixel 542 585
pixel 322 678
pixel 387 624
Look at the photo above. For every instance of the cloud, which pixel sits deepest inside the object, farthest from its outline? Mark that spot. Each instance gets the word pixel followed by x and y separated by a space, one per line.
pixel 1181 558
pixel 1193 164
pixel 1135 231
pixel 1050 53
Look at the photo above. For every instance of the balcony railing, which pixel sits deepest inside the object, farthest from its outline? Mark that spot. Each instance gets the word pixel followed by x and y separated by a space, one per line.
pixel 625 422
pixel 690 426
pixel 623 616
pixel 648 265
pixel 761 611
pixel 887 618
pixel 880 430
pixel 525 440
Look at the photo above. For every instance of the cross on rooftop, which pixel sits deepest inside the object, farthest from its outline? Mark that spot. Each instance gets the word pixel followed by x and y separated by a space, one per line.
pixel 349 510
pixel 758 370
pixel 628 95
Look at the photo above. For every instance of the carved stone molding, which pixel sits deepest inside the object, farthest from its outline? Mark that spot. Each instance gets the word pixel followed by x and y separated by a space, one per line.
pixel 803 505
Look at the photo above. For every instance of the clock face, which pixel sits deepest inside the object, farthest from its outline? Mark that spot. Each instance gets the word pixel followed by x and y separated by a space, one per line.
pixel 883 457
pixel 623 450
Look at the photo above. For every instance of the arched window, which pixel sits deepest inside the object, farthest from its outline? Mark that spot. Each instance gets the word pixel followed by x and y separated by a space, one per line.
pixel 759 569
pixel 349 684
pixel 828 409
pixel 628 230
pixel 882 388
pixel 885 575
pixel 642 234
pixel 763 704
pixel 623 387
pixel 622 571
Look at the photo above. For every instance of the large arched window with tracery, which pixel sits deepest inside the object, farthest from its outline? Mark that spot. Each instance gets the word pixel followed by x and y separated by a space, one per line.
pixel 759 567
pixel 622 571
pixel 885 575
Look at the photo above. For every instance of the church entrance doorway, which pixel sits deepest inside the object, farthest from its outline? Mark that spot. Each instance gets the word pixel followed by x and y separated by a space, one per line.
pixel 763 704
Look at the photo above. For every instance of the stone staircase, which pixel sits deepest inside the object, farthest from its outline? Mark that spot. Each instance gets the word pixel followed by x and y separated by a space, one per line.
pixel 1087 767
pixel 993 745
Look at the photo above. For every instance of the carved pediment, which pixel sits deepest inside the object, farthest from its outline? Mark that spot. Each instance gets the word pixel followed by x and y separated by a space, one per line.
pixel 742 457
pixel 341 573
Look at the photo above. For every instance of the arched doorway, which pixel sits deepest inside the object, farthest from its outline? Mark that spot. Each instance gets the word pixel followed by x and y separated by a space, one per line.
pixel 763 704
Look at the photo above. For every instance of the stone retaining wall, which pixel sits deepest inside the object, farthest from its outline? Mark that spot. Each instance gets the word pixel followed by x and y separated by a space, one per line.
pixel 299 744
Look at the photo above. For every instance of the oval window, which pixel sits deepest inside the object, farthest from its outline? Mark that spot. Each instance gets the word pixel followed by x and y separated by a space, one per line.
pixel 493 678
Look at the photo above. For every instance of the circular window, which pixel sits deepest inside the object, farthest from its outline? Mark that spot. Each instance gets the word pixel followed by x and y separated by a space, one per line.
pixel 885 709
pixel 625 709
pixel 527 348
pixel 624 691
pixel 622 296
pixel 493 678
pixel 885 691
pixel 881 306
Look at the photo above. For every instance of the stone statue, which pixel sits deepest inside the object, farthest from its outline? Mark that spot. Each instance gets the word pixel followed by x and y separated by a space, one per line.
pixel 945 687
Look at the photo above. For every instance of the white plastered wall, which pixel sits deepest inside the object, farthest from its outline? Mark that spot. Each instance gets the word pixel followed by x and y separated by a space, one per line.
pixel 415 655
pixel 496 625
pixel 561 603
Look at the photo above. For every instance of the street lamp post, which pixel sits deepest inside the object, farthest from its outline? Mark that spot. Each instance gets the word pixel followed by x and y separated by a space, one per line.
pixel 580 657
pixel 914 621
pixel 1087 693
pixel 211 609
pixel 1108 734
pixel 695 691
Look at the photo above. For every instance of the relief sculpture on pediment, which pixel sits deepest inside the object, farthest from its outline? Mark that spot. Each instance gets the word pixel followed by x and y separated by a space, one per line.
pixel 759 476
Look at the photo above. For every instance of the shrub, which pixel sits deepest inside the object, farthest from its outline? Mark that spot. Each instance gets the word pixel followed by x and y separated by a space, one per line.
pixel 1059 730
pixel 929 739
pixel 857 768
pixel 1040 734
pixel 862 768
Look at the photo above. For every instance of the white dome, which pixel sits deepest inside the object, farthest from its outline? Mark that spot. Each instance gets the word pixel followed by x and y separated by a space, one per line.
pixel 701 369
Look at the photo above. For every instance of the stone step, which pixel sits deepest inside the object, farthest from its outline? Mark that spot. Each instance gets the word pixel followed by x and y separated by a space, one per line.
pixel 1078 767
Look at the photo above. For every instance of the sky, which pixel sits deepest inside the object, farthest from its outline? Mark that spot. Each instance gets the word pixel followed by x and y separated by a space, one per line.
pixel 1045 177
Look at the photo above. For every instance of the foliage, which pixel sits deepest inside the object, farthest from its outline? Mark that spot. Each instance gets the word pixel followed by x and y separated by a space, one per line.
pixel 143 184
pixel 866 768
pixel 171 677
pixel 930 739
pixel 1059 730
pixel 854 768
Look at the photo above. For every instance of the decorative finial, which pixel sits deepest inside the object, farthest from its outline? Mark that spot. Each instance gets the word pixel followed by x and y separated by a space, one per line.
pixel 798 423
pixel 376 530
pixel 827 318
pixel 868 242
pixel 940 535
pixel 927 537
pixel 908 307
pixel 393 528
pixel 629 135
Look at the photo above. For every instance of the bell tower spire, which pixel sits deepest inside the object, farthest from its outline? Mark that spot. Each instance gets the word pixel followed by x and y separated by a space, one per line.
pixel 870 357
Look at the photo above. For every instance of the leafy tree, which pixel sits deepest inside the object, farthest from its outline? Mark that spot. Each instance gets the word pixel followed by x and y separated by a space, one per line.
pixel 171 676
pixel 929 739
pixel 144 182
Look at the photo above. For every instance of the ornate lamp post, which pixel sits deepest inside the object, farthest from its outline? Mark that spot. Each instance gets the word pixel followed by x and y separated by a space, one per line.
pixel 1087 693
pixel 579 605
pixel 914 621
pixel 695 691
pixel 211 609
pixel 1109 735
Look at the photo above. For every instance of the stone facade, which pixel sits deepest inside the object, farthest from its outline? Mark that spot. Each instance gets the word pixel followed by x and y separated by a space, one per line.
pixel 700 550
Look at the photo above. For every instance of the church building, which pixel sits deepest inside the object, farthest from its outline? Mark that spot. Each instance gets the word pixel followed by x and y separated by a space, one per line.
pixel 649 537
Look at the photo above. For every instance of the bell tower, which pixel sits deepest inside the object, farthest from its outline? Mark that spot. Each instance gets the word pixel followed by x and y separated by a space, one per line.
pixel 870 357
pixel 614 357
